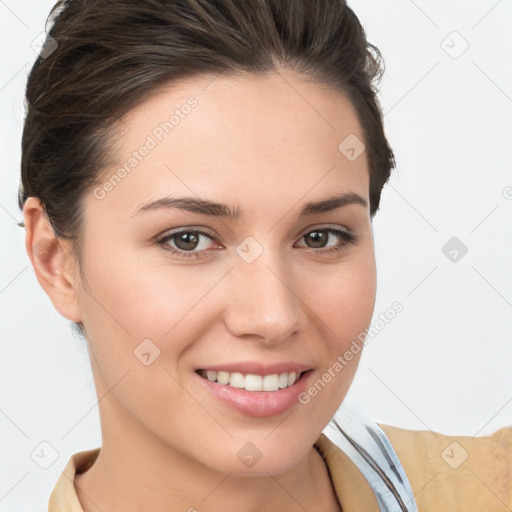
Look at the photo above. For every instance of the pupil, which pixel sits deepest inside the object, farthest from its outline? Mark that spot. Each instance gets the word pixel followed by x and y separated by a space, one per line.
pixel 187 241
pixel 318 241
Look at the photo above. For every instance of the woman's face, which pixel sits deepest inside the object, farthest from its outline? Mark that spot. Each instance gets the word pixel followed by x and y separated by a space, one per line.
pixel 262 292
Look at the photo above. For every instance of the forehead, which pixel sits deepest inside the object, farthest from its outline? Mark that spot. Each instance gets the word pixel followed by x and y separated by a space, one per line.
pixel 277 136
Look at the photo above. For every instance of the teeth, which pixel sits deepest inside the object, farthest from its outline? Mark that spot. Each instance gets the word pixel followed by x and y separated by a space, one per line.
pixel 253 382
pixel 222 377
pixel 236 380
pixel 271 382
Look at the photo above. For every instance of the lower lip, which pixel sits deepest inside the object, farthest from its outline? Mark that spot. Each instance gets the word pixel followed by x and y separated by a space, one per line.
pixel 259 404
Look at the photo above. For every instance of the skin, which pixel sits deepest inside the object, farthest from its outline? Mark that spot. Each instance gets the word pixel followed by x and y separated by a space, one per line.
pixel 267 145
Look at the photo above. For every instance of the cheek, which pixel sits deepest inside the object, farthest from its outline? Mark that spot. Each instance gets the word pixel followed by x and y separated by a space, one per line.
pixel 139 312
pixel 141 320
pixel 345 303
pixel 136 298
pixel 344 299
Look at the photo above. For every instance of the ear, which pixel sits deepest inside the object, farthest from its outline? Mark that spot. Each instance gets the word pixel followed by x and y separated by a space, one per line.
pixel 52 260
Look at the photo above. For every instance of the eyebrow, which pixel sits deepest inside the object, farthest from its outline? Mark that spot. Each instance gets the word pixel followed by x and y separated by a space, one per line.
pixel 205 207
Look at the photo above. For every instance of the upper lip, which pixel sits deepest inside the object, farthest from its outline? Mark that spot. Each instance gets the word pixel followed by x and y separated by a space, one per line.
pixel 257 368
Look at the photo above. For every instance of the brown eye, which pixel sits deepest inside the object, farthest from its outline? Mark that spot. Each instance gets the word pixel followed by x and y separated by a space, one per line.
pixel 318 238
pixel 186 241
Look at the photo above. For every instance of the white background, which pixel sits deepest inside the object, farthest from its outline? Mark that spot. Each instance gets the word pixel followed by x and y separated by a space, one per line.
pixel 444 362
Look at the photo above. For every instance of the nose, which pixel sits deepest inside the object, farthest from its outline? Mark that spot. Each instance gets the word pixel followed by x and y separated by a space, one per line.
pixel 263 303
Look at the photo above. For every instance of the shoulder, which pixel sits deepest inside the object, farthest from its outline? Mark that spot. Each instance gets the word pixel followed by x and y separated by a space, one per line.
pixel 458 472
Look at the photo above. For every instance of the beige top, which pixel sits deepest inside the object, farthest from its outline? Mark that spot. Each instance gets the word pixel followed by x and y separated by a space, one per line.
pixel 446 473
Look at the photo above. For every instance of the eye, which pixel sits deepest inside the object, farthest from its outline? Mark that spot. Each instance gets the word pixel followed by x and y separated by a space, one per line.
pixel 185 241
pixel 319 238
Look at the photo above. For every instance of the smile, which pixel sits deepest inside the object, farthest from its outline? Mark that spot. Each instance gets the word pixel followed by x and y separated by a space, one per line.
pixel 254 388
pixel 252 382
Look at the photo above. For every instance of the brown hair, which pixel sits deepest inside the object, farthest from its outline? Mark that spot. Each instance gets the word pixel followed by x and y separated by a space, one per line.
pixel 103 58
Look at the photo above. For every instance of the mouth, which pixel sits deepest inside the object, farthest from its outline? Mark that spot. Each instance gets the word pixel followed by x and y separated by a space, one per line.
pixel 253 382
pixel 256 389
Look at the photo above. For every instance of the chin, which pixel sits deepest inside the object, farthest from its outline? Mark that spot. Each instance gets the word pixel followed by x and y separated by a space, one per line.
pixel 254 460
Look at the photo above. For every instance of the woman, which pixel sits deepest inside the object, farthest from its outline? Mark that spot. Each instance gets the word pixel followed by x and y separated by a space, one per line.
pixel 199 180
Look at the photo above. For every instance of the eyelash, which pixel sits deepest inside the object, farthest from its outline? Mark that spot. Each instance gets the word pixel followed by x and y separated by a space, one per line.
pixel 347 237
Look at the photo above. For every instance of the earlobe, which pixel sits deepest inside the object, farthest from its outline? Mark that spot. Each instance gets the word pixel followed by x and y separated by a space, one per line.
pixel 51 260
